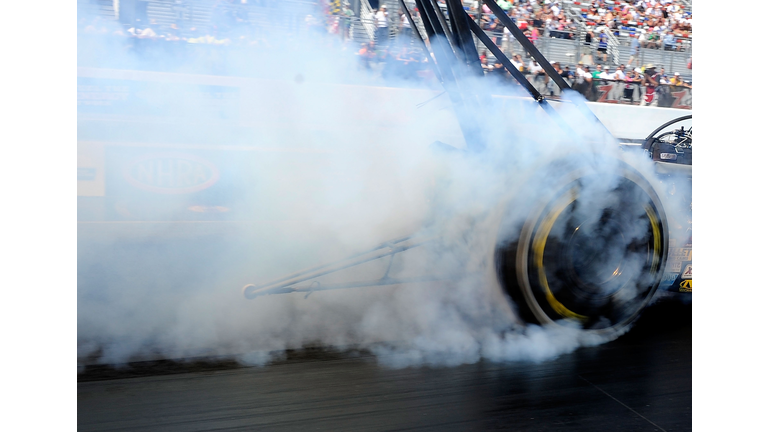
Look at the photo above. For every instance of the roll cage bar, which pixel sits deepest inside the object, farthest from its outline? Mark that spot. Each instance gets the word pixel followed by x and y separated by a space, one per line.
pixel 454 57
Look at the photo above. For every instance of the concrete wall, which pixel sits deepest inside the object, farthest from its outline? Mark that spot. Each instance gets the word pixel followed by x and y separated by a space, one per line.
pixel 121 112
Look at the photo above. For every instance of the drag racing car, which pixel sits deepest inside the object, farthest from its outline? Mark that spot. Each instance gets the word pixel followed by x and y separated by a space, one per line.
pixel 585 236
pixel 672 153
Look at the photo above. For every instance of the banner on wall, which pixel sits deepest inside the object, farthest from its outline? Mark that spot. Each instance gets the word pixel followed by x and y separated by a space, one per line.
pixel 668 96
pixel 609 91
pixel 155 183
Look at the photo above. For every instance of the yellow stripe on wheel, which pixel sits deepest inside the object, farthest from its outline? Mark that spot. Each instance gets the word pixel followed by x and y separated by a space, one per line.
pixel 540 242
pixel 656 238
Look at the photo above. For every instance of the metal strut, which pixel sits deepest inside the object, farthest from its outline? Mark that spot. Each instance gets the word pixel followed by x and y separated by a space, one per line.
pixel 548 68
pixel 289 284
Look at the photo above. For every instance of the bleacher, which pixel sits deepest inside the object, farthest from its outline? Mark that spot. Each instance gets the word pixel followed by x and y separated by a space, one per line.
pixel 286 14
pixel 101 8
pixel 578 10
pixel 672 61
pixel 559 50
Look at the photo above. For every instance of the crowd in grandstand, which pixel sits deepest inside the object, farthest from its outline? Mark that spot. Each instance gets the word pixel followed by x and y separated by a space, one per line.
pixel 394 53
pixel 653 18
pixel 534 18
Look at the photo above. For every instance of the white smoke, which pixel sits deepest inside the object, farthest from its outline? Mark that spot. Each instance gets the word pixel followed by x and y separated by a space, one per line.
pixel 350 167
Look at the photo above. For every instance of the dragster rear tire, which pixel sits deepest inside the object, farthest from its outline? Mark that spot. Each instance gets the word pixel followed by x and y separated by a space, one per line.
pixel 563 260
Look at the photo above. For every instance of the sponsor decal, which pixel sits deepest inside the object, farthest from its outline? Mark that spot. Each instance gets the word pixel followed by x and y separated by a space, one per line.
pixel 687 272
pixel 605 90
pixel 686 286
pixel 668 278
pixel 171 173
pixel 677 256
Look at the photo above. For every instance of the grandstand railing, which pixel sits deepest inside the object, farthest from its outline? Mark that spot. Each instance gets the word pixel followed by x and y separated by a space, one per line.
pixel 367 18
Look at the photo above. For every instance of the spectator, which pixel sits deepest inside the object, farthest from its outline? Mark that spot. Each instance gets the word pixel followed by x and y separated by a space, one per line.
pixel 587 88
pixel 539 75
pixel 652 40
pixel 634 47
pixel 557 67
pixel 602 46
pixel 550 26
pixel 596 73
pixel 405 26
pixel 537 21
pixel 588 38
pixel 365 54
pixel 522 23
pixel 497 72
pixel 567 73
pixel 619 75
pixel 663 77
pixel 632 80
pixel 517 61
pixel 382 25
pixel 534 68
pixel 579 73
pixel 651 82
pixel 347 14
pixel 669 42
pixel 606 74
pixel 664 96
pixel 676 80
pixel 484 64
pixel 583 79
pixel 494 27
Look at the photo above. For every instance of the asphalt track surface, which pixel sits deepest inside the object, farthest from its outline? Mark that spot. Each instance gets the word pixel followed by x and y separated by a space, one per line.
pixel 640 382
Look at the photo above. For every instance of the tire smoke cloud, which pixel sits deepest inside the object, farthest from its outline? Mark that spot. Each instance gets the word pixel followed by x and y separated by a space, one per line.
pixel 326 162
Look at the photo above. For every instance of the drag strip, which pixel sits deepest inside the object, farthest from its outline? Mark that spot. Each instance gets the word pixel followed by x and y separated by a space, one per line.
pixel 641 382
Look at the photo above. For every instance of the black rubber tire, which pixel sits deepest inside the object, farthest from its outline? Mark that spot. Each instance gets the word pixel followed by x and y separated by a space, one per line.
pixel 565 261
